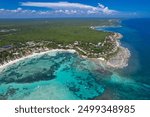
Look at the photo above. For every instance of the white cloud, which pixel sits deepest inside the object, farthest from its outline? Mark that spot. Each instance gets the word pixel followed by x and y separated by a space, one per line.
pixel 58 9
pixel 1 10
pixel 57 5
pixel 16 11
pixel 106 10
pixel 23 12
pixel 66 11
pixel 92 12
pixel 66 7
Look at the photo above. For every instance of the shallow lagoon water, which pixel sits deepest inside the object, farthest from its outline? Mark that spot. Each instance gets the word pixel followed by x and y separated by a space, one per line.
pixel 63 75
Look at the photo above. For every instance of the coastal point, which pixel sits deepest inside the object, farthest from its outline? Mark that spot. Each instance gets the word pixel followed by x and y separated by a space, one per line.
pixel 103 46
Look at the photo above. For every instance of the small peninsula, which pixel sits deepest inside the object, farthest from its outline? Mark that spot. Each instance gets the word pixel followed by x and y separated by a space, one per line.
pixel 20 40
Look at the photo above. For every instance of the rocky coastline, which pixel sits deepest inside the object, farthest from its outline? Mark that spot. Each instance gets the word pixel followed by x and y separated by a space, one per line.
pixel 118 60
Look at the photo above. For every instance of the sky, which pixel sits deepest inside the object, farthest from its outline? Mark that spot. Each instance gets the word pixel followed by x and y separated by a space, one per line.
pixel 74 8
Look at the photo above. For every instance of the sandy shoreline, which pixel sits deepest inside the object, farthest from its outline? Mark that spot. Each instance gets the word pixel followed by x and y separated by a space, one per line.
pixel 120 60
pixel 33 55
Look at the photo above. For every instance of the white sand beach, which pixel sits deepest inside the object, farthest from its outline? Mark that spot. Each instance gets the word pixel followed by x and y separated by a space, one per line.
pixel 34 54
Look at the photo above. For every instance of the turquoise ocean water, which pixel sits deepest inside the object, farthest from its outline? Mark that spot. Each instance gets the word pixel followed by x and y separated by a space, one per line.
pixel 63 75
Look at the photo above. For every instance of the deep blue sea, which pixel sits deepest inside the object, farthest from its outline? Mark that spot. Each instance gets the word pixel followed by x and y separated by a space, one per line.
pixel 64 75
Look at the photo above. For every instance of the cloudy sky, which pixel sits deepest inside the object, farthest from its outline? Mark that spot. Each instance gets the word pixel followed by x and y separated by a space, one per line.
pixel 74 8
